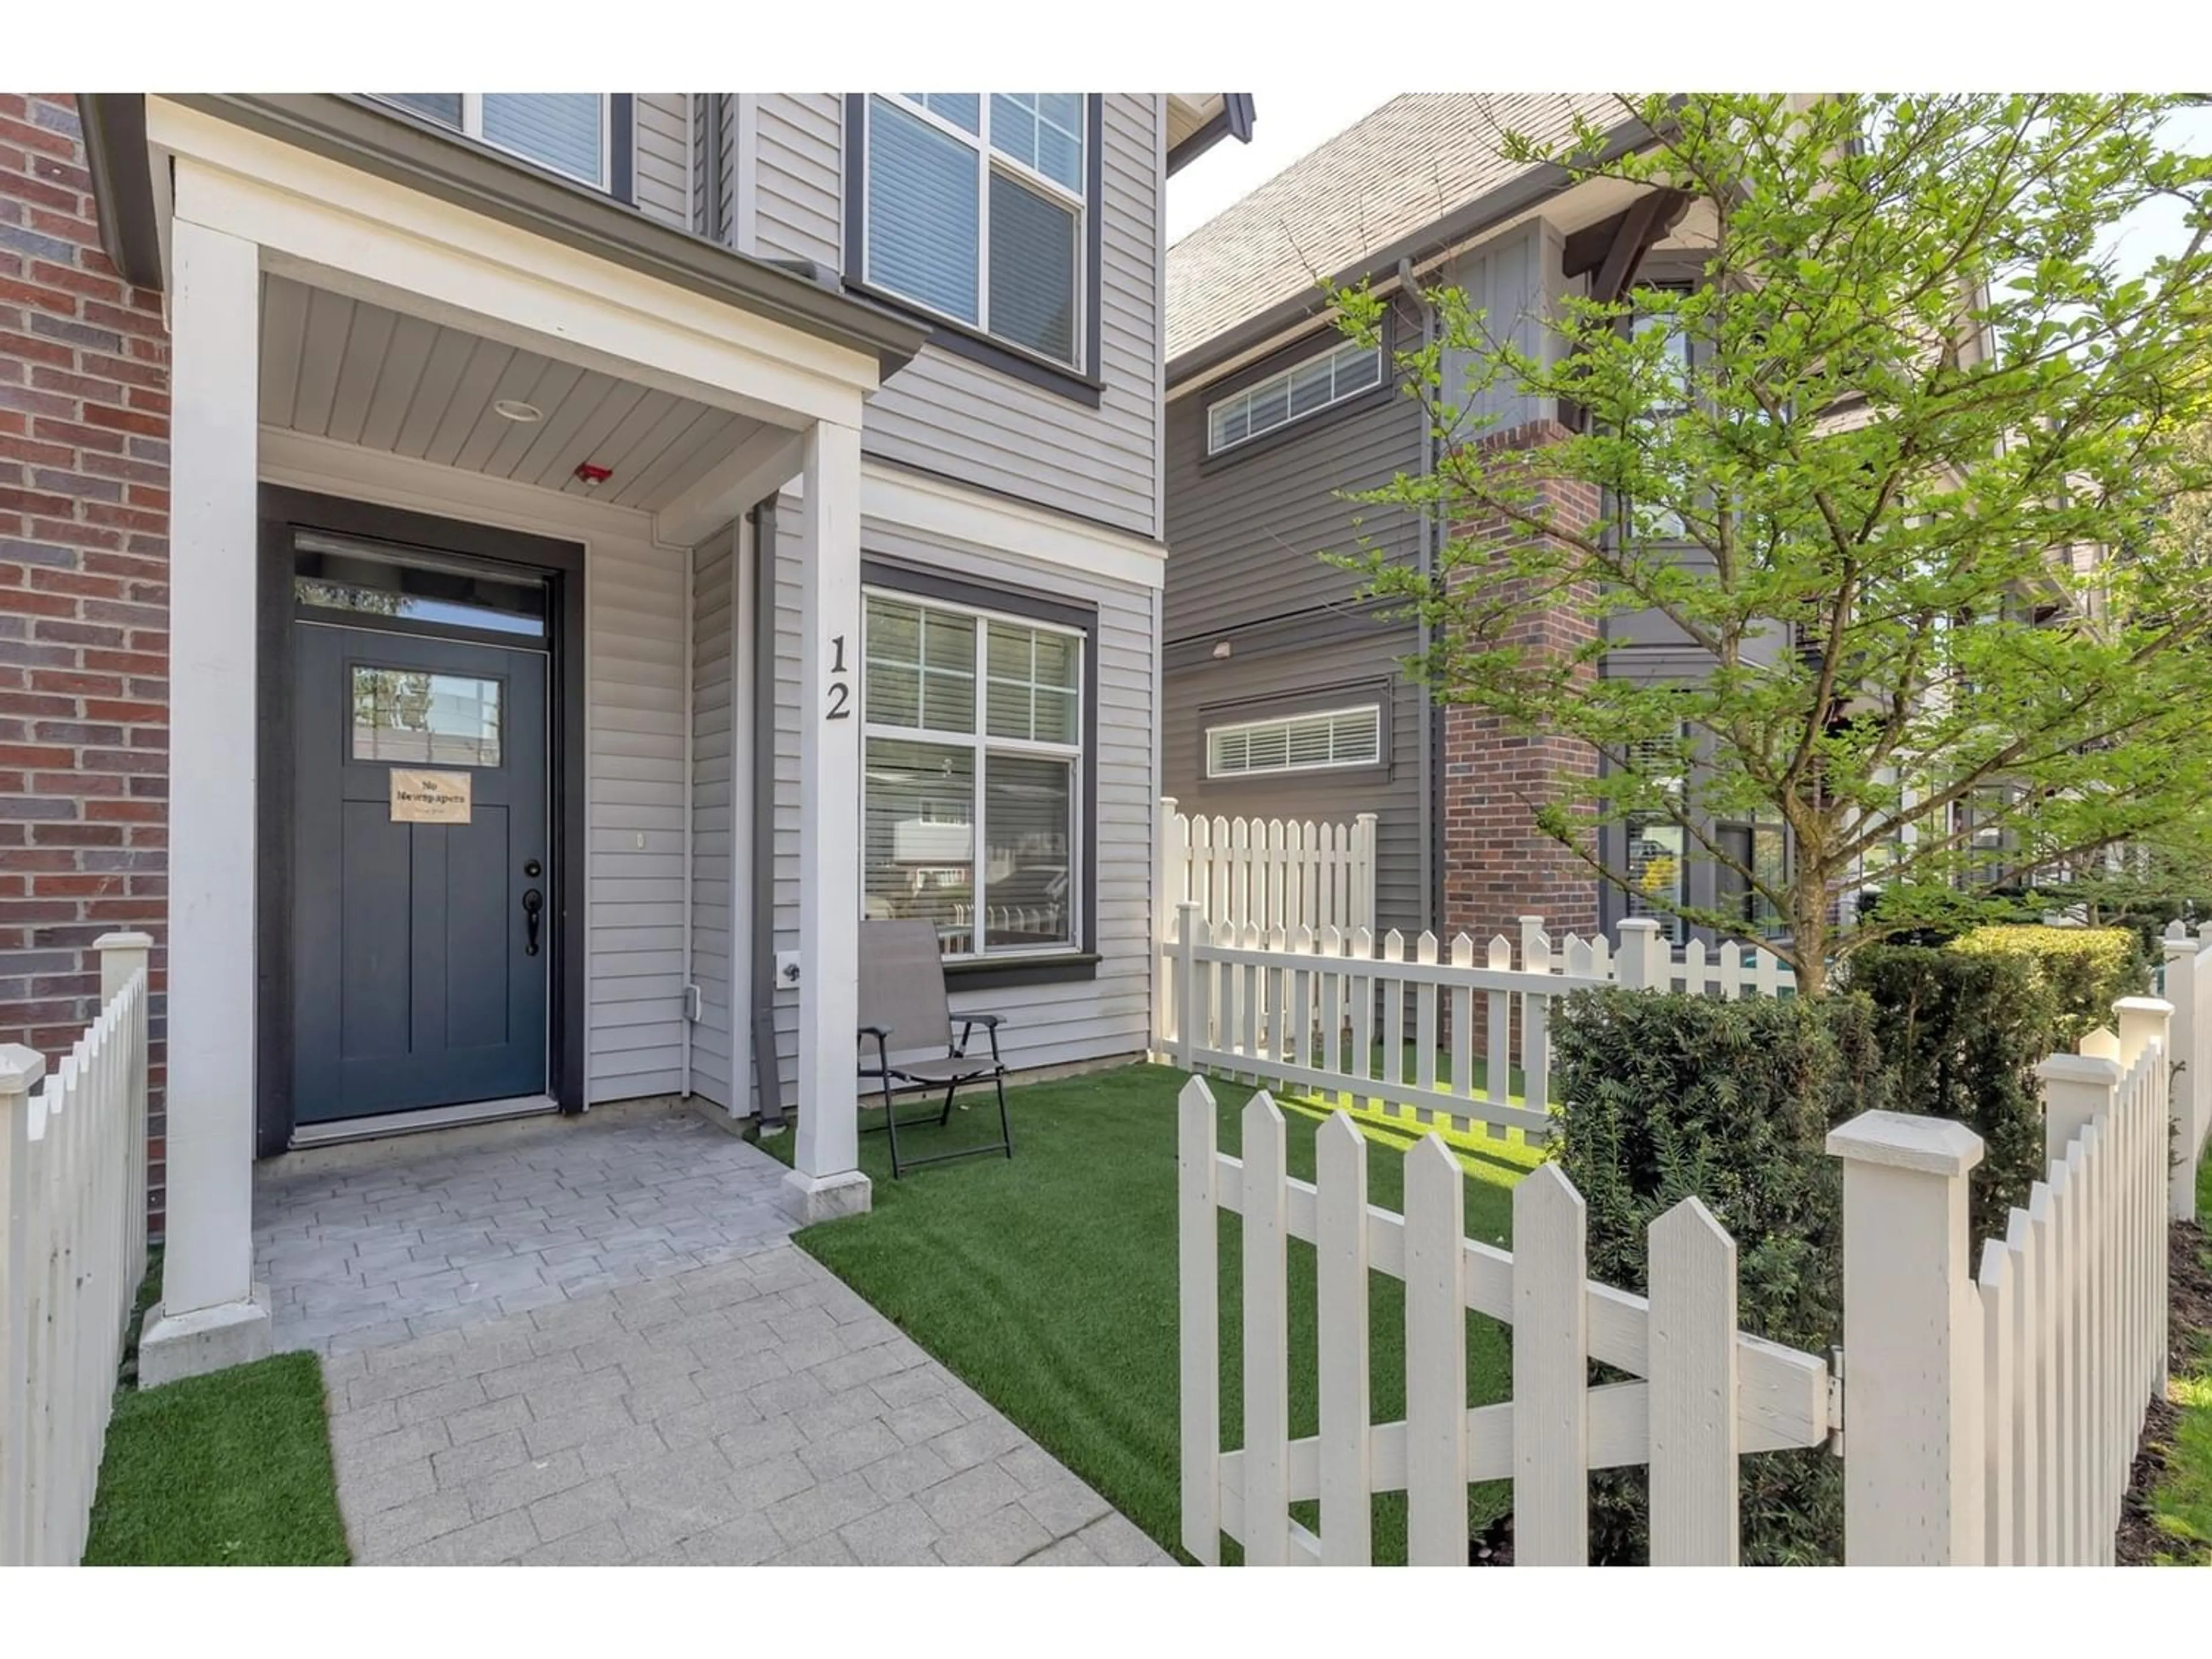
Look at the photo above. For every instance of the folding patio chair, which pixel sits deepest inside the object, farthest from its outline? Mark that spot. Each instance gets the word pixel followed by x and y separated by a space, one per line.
pixel 903 1008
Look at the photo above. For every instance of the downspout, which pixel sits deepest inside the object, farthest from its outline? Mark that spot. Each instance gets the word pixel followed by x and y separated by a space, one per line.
pixel 690 993
pixel 768 1078
pixel 1424 562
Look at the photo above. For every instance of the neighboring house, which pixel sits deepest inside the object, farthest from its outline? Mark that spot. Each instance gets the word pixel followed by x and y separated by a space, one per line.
pixel 500 583
pixel 1284 694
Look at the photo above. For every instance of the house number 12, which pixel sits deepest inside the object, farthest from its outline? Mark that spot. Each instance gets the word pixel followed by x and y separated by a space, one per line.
pixel 840 693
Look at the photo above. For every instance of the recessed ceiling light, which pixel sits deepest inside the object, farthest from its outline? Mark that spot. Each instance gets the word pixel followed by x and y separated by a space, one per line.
pixel 514 409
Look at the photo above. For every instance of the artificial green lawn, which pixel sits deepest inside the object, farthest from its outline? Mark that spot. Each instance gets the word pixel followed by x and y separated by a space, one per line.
pixel 228 1469
pixel 1047 1283
pixel 2181 1503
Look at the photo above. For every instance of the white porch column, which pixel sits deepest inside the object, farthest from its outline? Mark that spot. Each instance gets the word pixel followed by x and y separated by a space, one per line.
pixel 210 1314
pixel 825 1179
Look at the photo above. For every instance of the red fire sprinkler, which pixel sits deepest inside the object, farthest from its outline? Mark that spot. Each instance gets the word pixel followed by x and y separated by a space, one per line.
pixel 592 473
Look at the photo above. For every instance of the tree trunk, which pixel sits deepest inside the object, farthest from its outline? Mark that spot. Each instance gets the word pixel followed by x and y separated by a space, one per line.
pixel 1808 935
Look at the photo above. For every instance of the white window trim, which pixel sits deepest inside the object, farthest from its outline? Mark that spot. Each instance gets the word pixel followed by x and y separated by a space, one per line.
pixel 471 127
pixel 983 747
pixel 1345 351
pixel 987 160
pixel 1231 727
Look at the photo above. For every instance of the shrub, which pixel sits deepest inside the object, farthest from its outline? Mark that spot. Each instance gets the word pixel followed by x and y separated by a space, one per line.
pixel 2086 969
pixel 1961 1030
pixel 1673 1096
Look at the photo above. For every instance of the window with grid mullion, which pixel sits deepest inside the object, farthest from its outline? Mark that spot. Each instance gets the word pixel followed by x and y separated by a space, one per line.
pixel 965 214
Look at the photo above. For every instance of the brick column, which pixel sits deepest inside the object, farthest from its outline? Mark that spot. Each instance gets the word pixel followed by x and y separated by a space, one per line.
pixel 1497 864
pixel 84 643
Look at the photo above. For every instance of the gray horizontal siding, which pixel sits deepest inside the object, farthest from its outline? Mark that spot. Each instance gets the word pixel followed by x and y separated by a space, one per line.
pixel 712 752
pixel 1103 1018
pixel 797 162
pixel 1310 666
pixel 1244 533
pixel 661 162
pixel 635 740
pixel 949 414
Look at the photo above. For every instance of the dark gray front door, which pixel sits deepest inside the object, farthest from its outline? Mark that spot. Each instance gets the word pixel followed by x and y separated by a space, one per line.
pixel 420 975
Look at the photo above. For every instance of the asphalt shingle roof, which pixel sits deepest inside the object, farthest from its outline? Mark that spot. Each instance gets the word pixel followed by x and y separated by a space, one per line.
pixel 1380 180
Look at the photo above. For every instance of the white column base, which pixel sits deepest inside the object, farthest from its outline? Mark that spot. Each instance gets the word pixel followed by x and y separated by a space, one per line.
pixel 204 1339
pixel 809 1199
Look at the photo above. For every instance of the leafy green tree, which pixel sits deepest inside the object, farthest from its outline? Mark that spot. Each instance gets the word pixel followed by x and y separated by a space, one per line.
pixel 1903 491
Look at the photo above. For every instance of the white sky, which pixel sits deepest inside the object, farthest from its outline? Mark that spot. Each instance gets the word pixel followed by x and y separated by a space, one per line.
pixel 1288 124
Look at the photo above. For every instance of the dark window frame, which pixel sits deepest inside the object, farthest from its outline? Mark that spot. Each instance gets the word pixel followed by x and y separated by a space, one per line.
pixel 925 583
pixel 1079 382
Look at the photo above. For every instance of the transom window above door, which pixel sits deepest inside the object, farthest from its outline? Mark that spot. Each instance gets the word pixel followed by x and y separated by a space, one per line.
pixel 977 209
pixel 567 132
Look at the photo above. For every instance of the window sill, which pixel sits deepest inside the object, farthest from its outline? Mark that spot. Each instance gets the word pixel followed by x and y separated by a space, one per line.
pixel 993 353
pixel 1006 973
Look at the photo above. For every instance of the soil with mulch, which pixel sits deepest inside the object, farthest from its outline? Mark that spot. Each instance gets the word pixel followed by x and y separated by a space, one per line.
pixel 1493 1546
pixel 2190 1284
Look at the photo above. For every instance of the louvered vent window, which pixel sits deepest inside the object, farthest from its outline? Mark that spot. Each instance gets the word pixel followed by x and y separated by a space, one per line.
pixel 1299 743
pixel 1303 389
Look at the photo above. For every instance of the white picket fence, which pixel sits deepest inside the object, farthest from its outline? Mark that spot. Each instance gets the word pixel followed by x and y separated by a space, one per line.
pixel 2073 1302
pixel 72 1253
pixel 1266 872
pixel 1706 1392
pixel 1983 1417
pixel 2188 987
pixel 1346 1013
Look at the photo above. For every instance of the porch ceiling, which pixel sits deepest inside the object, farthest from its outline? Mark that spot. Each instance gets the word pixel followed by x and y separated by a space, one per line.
pixel 338 368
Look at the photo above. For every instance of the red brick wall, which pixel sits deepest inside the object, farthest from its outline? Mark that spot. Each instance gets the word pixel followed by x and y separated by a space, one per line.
pixel 1497 865
pixel 84 643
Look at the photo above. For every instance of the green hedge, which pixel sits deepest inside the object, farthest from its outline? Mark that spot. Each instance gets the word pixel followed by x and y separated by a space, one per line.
pixel 2086 969
pixel 1961 1031
pixel 1671 1096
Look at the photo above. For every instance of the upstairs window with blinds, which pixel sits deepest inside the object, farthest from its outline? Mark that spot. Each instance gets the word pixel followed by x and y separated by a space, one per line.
pixel 1303 389
pixel 565 132
pixel 975 209
pixel 1335 738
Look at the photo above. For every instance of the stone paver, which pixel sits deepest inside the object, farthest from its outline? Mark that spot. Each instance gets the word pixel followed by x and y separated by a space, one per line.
pixel 697 1391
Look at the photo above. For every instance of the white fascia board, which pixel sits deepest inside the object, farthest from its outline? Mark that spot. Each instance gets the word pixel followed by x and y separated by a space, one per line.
pixel 336 227
pixel 1051 542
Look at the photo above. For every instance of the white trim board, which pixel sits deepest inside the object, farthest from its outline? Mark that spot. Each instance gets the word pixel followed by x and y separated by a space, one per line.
pixel 1035 535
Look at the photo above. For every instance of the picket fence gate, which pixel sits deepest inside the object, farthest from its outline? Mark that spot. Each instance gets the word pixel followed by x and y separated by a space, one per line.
pixel 1705 1392
pixel 1985 1415
pixel 72 1254
pixel 1270 873
pixel 1350 1014
pixel 2188 987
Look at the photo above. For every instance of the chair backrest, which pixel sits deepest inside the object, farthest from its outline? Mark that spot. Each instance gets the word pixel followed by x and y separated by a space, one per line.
pixel 902 986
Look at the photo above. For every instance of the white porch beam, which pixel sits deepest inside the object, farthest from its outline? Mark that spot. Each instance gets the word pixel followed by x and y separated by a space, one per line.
pixel 211 1314
pixel 751 472
pixel 825 1179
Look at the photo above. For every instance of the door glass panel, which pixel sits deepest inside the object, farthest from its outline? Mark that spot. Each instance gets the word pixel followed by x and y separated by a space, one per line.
pixel 412 717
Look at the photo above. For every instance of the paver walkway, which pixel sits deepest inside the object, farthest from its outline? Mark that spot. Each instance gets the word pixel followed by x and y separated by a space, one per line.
pixel 582 1342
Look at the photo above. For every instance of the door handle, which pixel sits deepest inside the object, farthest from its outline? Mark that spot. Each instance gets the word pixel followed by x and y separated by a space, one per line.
pixel 532 902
